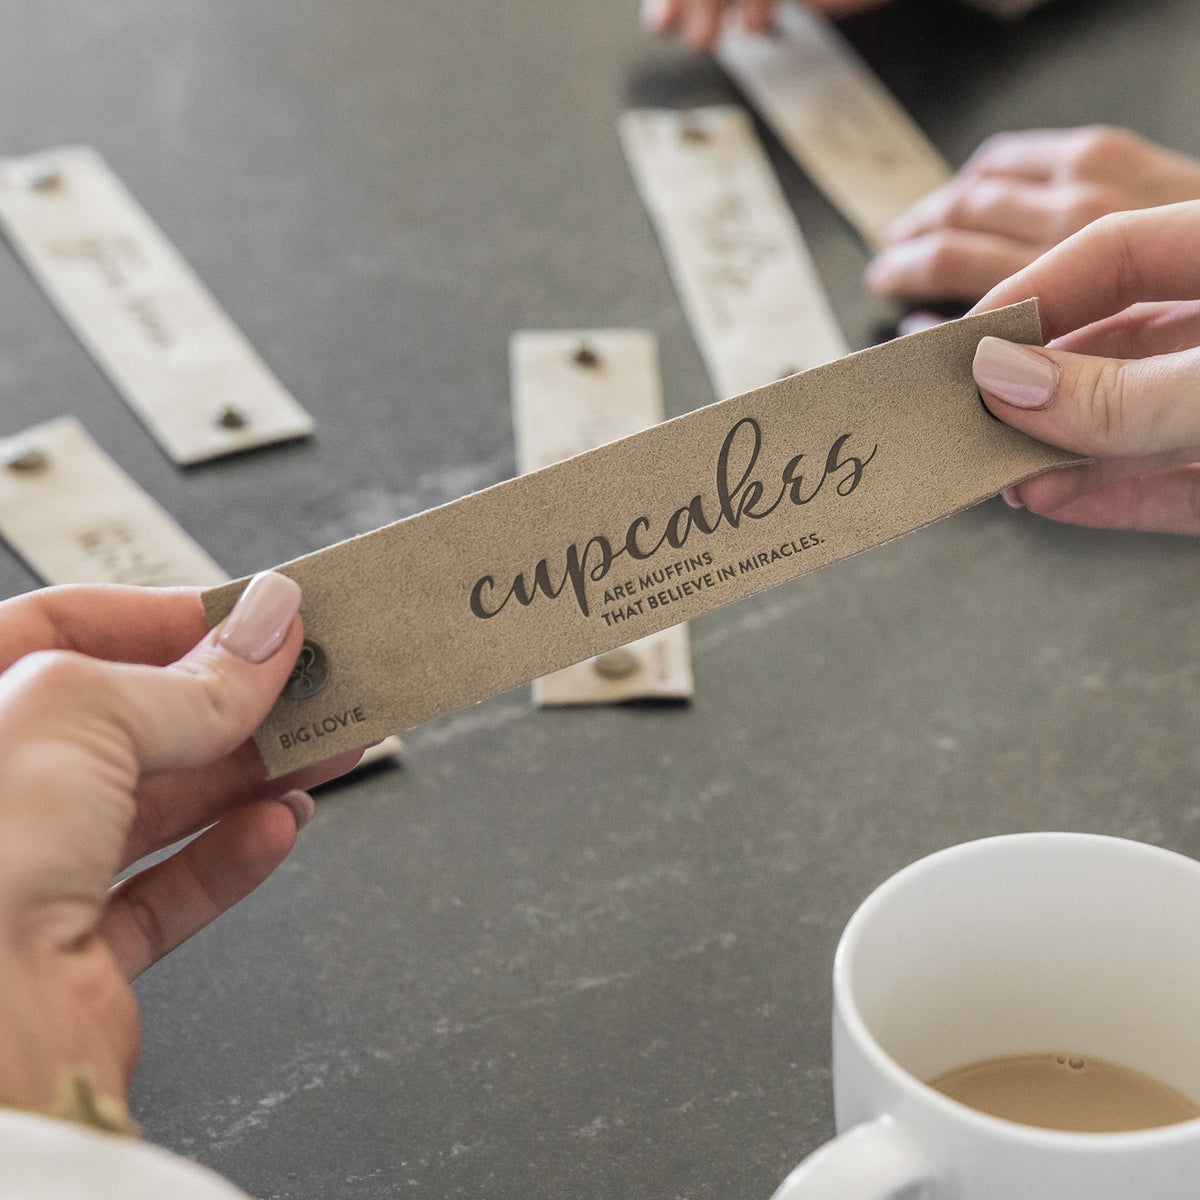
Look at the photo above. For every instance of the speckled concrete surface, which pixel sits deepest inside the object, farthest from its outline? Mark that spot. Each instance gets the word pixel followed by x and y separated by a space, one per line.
pixel 578 954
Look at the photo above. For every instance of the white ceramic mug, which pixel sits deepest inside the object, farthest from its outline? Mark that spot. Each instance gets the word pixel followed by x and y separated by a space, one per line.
pixel 1012 945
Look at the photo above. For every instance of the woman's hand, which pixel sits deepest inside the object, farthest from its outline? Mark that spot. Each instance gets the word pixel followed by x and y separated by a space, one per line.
pixel 1120 379
pixel 700 21
pixel 1018 196
pixel 124 727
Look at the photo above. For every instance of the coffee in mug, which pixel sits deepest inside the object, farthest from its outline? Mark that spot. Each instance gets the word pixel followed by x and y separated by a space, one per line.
pixel 1072 1092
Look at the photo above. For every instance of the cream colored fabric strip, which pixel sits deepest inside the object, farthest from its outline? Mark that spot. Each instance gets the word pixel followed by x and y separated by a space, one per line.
pixel 75 517
pixel 168 347
pixel 574 390
pixel 744 274
pixel 835 117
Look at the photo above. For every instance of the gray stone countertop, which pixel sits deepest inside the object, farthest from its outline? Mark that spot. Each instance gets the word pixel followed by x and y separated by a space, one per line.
pixel 578 954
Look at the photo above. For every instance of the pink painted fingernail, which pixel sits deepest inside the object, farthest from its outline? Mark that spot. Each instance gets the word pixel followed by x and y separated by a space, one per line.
pixel 302 805
pixel 878 273
pixel 1016 374
pixel 1010 497
pixel 653 13
pixel 916 322
pixel 895 268
pixel 261 618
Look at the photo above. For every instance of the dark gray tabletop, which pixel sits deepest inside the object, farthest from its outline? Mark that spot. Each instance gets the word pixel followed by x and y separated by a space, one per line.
pixel 577 953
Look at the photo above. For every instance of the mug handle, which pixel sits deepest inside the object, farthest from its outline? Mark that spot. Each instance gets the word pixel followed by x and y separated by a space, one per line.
pixel 874 1161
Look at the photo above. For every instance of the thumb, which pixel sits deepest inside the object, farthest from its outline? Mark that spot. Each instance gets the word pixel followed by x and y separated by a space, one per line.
pixel 1103 407
pixel 78 728
pixel 206 704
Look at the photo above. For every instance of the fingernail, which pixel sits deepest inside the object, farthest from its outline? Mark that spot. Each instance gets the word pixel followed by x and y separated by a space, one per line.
pixel 1010 497
pixel 302 805
pixel 926 211
pixel 653 12
pixel 261 618
pixel 1018 375
pixel 900 228
pixel 877 277
pixel 892 266
pixel 916 322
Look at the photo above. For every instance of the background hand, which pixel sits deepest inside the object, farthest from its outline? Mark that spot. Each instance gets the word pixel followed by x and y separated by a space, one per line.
pixel 700 21
pixel 1019 195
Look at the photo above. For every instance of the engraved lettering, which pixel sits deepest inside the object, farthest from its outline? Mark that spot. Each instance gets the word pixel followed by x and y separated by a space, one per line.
pixel 119 266
pixel 322 727
pixel 740 495
pixel 738 249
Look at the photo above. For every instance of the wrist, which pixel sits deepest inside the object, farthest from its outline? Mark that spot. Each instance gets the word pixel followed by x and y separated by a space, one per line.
pixel 64 1016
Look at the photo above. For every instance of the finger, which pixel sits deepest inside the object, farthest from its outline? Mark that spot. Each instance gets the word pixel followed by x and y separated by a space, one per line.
pixel 204 706
pixel 1035 155
pixel 759 16
pixel 1102 407
pixel 948 264
pixel 920 319
pixel 1119 260
pixel 928 213
pixel 76 727
pixel 1141 331
pixel 703 23
pixel 121 624
pixel 1037 214
pixel 1168 502
pixel 175 804
pixel 151 913
pixel 662 16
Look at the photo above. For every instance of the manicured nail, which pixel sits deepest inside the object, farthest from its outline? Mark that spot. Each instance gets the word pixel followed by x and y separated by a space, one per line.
pixel 302 805
pixel 878 271
pixel 904 227
pixel 1010 497
pixel 926 213
pixel 916 322
pixel 1018 375
pixel 261 618
pixel 895 267
pixel 653 12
